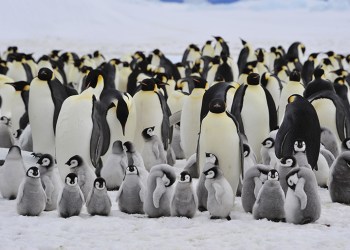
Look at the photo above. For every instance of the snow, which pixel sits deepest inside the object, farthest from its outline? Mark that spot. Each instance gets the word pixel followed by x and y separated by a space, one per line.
pixel 118 27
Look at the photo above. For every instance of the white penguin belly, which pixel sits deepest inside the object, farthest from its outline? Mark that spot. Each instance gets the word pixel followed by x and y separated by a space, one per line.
pixel 291 206
pixel 322 173
pixel 288 90
pixel 6 92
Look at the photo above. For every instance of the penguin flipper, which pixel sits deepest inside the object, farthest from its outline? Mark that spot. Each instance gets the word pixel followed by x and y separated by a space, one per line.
pixel 219 192
pixel 119 192
pixel 158 192
pixel 155 150
pixel 142 192
pixel 20 192
pixel 300 193
pixel 49 187
pixel 272 110
pixel 257 186
pixel 96 141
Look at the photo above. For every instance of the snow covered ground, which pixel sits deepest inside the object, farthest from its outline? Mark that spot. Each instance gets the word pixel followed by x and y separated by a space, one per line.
pixel 118 27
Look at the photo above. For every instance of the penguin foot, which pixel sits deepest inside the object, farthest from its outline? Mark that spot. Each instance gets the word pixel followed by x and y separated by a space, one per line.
pixel 12 197
pixel 306 221
pixel 278 220
pixel 228 218
pixel 202 208
pixel 215 217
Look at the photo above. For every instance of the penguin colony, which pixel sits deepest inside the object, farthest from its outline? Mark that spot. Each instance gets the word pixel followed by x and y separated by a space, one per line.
pixel 268 126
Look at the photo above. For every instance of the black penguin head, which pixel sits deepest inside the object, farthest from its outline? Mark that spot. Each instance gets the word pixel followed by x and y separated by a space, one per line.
pixel 46 160
pixel 132 170
pixel 346 143
pixel 199 82
pixel 5 120
pixel 318 73
pixel 17 133
pixel 100 183
pixel 330 53
pixel 219 39
pixel 117 147
pixel 45 74
pixel 288 161
pixel 273 175
pixel 75 161
pixel 217 106
pixel 246 150
pixel 294 76
pixel 94 78
pixel 268 143
pixel 292 178
pixel 211 173
pixel 148 133
pixel 20 85
pixel 149 84
pixel 33 172
pixel 260 55
pixel 294 98
pixel 185 177
pixel 244 43
pixel 253 79
pixel 215 60
pixel 299 146
pixel 208 42
pixel 130 147
pixel 211 158
pixel 71 179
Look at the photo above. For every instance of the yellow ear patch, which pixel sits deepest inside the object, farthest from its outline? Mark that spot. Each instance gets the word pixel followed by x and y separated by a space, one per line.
pixel 291 99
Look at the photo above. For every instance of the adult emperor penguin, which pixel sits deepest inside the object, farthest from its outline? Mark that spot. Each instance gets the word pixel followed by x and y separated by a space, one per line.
pixel 246 55
pixel 159 191
pixel 253 98
pixel 7 91
pixel 184 201
pixel 31 199
pixel 46 96
pixel 294 86
pixel 270 201
pixel 71 200
pixel 252 182
pixel 303 204
pixel 113 170
pixel 207 49
pixel 273 84
pixel 300 122
pixel 131 195
pixel 18 69
pixel 308 68
pixel 339 174
pixel 50 180
pixel 330 141
pixel 79 129
pixel 219 135
pixel 285 165
pixel 12 173
pixel 190 117
pixel 98 201
pixel 86 175
pixel 220 194
pixel 6 139
pixel 221 47
pixel 151 110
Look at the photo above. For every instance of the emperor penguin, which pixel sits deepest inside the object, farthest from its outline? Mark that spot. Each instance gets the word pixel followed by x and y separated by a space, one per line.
pixel 273 84
pixel 270 201
pixel 253 180
pixel 6 139
pixel 190 117
pixel 12 172
pixel 31 199
pixel 308 68
pixel 98 201
pixel 207 49
pixel 285 165
pixel 153 152
pixel 330 141
pixel 159 191
pixel 246 55
pixel 253 98
pixel 300 122
pixel 345 145
pixel 151 110
pixel 191 54
pixel 46 96
pixel 7 91
pixel 86 175
pixel 219 135
pixel 71 199
pixel 18 69
pixel 267 151
pixel 221 47
pixel 135 158
pixel 50 180
pixel 339 174
pixel 184 201
pixel 114 168
pixel 302 204
pixel 220 194
pixel 294 86
pixel 132 193
pixel 249 157
pixel 299 153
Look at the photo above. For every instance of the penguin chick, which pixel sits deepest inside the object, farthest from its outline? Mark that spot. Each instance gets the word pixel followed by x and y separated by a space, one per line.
pixel 249 161
pixel 267 151
pixel 6 140
pixel 131 195
pixel 71 200
pixel 86 175
pixel 31 199
pixel 114 168
pixel 345 145
pixel 302 204
pixel 159 190
pixel 220 194
pixel 135 158
pixel 153 152
pixel 270 201
pixel 339 186
pixel 12 173
pixel 98 201
pixel 50 180
pixel 299 152
pixel 184 202
pixel 285 165
pixel 253 181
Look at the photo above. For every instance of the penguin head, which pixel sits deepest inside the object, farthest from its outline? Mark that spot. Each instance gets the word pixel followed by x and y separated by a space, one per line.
pixel 5 120
pixel 149 84
pixel 94 79
pixel 132 170
pixel 292 178
pixel 148 133
pixel 117 147
pixel 17 133
pixel 130 147
pixel 46 160
pixel 100 183
pixel 185 177
pixel 313 56
pixel 288 161
pixel 45 74
pixel 33 172
pixel 211 158
pixel 346 143
pixel 199 82
pixel 208 42
pixel 294 98
pixel 219 39
pixel 318 73
pixel 246 150
pixel 268 143
pixel 75 161
pixel 71 179
pixel 217 106
pixel 299 146
pixel 294 76
pixel 211 173
pixel 273 175
pixel 253 79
